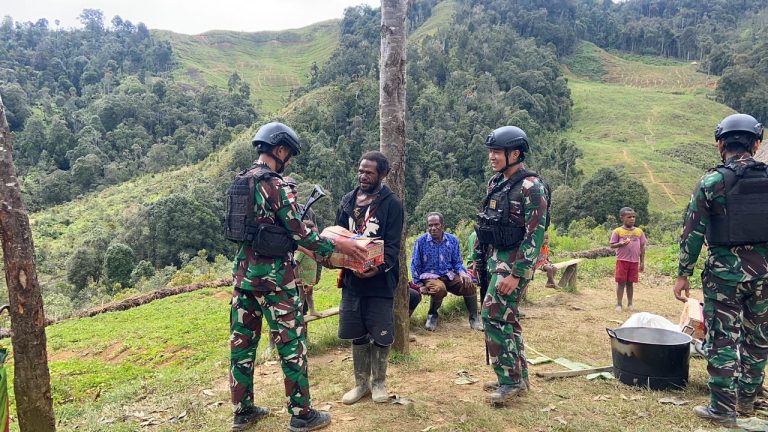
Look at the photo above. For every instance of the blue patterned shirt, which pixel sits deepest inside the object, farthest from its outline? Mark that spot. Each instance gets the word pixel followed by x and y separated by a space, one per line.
pixel 432 259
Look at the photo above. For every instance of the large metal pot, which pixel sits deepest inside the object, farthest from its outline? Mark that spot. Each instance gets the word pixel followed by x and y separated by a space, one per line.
pixel 650 357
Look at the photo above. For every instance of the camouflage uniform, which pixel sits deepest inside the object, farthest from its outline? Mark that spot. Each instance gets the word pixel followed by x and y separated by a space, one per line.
pixel 735 283
pixel 265 287
pixel 503 333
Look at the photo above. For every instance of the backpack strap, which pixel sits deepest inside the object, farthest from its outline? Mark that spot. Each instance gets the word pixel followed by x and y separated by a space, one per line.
pixel 516 178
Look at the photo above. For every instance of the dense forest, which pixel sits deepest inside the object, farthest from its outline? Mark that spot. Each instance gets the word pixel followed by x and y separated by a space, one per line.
pixel 726 38
pixel 469 78
pixel 98 106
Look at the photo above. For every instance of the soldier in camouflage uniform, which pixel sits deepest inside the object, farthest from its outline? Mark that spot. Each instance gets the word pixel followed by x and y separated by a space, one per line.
pixel 735 276
pixel 264 287
pixel 510 233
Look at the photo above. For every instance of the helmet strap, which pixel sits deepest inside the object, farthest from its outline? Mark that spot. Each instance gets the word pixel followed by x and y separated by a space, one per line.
pixel 506 160
pixel 280 162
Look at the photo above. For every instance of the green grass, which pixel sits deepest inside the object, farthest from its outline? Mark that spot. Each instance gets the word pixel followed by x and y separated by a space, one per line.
pixel 585 62
pixel 272 63
pixel 643 130
pixel 442 15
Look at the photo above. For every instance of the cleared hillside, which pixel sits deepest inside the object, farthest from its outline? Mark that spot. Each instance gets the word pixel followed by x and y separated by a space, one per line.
pixel 271 62
pixel 650 116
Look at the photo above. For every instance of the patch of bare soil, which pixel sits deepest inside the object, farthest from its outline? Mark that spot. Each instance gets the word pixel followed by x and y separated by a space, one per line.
pixel 115 353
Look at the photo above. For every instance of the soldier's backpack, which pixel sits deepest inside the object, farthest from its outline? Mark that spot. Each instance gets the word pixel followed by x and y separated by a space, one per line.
pixel 746 207
pixel 240 225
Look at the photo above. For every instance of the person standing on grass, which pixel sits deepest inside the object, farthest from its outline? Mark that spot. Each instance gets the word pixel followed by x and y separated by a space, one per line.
pixel 629 242
pixel 729 208
pixel 510 229
pixel 263 217
pixel 366 313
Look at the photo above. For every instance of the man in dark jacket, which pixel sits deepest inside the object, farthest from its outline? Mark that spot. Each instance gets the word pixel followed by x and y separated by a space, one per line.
pixel 366 315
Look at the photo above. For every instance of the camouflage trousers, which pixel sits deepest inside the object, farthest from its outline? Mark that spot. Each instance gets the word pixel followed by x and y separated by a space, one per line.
pixel 736 317
pixel 282 310
pixel 503 333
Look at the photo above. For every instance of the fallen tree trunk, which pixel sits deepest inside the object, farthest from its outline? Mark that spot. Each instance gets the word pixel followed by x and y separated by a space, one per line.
pixel 593 253
pixel 134 301
pixel 143 299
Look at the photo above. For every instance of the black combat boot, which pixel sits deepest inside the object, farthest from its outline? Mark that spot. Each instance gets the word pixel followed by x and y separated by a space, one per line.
pixel 434 306
pixel 474 320
pixel 725 419
pixel 504 393
pixel 248 417
pixel 313 420
pixel 745 405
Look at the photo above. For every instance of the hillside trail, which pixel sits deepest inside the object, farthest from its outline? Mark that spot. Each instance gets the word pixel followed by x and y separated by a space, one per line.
pixel 557 324
pixel 649 139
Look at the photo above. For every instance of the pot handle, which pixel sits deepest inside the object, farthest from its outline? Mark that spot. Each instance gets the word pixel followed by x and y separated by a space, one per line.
pixel 686 329
pixel 611 333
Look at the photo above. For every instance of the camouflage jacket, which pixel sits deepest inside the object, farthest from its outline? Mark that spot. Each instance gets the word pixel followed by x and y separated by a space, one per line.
pixel 730 264
pixel 528 207
pixel 276 205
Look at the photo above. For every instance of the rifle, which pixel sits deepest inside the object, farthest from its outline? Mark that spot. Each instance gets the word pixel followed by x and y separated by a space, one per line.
pixel 481 268
pixel 316 194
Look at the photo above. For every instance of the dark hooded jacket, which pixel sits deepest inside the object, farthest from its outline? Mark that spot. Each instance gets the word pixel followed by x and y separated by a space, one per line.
pixel 387 224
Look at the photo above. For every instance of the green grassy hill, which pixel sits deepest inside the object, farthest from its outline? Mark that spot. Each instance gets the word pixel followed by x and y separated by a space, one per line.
pixel 271 62
pixel 649 115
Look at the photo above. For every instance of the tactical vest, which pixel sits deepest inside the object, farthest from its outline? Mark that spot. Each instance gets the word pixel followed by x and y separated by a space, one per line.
pixel 499 224
pixel 240 223
pixel 744 220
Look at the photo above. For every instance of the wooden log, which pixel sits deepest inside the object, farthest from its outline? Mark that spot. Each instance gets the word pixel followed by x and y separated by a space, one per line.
pixel 322 314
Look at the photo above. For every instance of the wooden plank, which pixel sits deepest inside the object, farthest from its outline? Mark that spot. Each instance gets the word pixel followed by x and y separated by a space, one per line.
pixel 322 314
pixel 567 263
pixel 573 373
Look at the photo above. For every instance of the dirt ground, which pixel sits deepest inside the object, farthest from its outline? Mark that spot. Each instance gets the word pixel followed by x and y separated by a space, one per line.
pixel 557 324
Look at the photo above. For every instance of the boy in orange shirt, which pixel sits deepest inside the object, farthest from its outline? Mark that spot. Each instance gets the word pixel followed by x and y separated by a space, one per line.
pixel 544 263
pixel 629 242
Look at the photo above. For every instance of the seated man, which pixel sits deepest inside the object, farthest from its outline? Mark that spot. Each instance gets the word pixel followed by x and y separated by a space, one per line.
pixel 437 268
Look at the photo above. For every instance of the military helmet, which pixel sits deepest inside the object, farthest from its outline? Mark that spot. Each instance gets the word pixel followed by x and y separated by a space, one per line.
pixel 274 134
pixel 508 138
pixel 735 123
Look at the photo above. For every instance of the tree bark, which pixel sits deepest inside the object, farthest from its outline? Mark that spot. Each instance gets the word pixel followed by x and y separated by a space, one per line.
pixel 392 136
pixel 32 380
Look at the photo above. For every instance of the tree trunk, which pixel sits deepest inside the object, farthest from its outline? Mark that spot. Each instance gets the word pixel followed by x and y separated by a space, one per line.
pixel 392 136
pixel 31 381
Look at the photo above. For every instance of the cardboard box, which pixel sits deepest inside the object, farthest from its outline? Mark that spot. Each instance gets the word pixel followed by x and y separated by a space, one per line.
pixel 375 249
pixel 693 317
